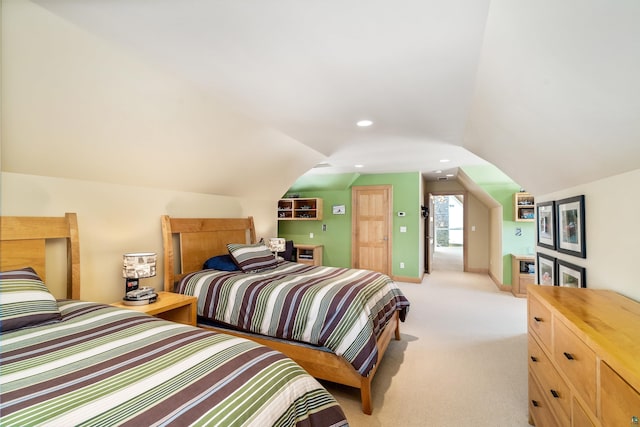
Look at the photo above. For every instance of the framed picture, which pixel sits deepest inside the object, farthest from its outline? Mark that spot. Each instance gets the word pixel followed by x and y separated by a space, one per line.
pixel 570 275
pixel 546 270
pixel 545 217
pixel 338 209
pixel 571 227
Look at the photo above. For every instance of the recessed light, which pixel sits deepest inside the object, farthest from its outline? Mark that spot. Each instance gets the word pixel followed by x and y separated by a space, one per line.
pixel 444 160
pixel 364 123
pixel 358 166
pixel 449 174
pixel 438 171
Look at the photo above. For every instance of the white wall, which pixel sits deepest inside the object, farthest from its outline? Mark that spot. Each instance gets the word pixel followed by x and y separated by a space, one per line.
pixel 496 270
pixel 116 219
pixel 612 236
pixel 477 240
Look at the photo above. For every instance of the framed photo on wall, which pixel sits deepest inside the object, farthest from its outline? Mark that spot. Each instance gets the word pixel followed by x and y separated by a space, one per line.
pixel 571 226
pixel 545 217
pixel 546 270
pixel 338 209
pixel 570 275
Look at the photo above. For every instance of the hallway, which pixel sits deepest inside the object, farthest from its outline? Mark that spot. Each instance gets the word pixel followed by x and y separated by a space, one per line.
pixel 448 258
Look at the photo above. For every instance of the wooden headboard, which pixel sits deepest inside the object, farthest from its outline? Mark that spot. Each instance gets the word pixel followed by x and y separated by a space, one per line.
pixel 195 240
pixel 22 244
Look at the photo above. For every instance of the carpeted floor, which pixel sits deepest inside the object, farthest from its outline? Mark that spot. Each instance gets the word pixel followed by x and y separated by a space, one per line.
pixel 462 359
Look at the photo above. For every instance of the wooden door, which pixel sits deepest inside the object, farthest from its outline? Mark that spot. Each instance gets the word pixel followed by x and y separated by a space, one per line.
pixel 371 228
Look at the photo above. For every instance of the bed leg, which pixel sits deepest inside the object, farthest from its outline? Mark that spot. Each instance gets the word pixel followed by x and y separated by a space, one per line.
pixel 397 332
pixel 365 395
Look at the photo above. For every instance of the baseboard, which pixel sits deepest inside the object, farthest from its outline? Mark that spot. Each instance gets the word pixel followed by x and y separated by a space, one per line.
pixel 478 270
pixel 407 279
pixel 499 285
pixel 495 280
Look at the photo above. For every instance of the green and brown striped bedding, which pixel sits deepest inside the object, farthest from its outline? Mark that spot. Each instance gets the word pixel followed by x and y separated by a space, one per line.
pixel 340 309
pixel 105 366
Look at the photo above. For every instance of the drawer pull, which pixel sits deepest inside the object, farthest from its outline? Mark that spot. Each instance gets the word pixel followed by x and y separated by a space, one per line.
pixel 554 393
pixel 534 359
pixel 569 356
pixel 535 403
pixel 634 420
pixel 537 319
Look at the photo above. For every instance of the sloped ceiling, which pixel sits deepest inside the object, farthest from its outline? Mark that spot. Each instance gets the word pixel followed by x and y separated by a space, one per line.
pixel 557 95
pixel 547 91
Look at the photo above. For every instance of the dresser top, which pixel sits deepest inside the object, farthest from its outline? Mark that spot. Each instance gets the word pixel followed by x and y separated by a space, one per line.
pixel 605 320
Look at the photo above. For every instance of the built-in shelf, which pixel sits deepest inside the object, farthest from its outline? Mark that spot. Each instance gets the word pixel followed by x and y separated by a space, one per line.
pixel 300 209
pixel 522 274
pixel 524 207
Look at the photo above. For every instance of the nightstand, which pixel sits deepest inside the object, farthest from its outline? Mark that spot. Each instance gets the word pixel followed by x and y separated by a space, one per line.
pixel 169 306
pixel 309 254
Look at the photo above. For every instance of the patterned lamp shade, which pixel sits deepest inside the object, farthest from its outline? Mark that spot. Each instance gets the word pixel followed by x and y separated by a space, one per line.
pixel 139 265
pixel 277 244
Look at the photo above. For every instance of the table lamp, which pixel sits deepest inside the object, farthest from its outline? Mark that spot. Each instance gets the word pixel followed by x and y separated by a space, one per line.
pixel 137 266
pixel 277 244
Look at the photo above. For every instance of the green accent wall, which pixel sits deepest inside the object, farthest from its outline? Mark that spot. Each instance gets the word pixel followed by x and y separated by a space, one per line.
pixel 502 188
pixel 337 237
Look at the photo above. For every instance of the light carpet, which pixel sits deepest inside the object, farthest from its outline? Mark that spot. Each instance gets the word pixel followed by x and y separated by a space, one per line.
pixel 461 360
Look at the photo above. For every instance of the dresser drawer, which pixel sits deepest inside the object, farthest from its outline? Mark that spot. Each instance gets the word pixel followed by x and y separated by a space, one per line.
pixel 540 321
pixel 538 407
pixel 619 401
pixel 579 417
pixel 552 386
pixel 577 361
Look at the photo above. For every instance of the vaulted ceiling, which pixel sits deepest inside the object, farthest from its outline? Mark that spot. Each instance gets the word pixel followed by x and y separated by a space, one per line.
pixel 548 91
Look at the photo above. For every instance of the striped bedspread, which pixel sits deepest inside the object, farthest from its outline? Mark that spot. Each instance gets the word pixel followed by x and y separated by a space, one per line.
pixel 104 366
pixel 340 309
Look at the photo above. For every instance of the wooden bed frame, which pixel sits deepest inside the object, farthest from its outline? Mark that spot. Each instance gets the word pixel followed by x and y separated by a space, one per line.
pixel 198 239
pixel 23 240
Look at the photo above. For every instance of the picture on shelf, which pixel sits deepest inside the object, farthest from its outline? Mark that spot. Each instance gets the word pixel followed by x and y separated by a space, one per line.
pixel 571 226
pixel 570 275
pixel 546 224
pixel 546 270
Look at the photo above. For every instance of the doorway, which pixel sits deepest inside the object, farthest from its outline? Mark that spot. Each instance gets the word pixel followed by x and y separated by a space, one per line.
pixel 445 233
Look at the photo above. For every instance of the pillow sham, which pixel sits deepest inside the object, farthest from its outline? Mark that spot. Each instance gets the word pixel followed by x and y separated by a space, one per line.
pixel 252 258
pixel 25 300
pixel 220 262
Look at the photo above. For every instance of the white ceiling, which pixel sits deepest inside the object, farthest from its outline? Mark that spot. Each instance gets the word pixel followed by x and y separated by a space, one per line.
pixel 547 91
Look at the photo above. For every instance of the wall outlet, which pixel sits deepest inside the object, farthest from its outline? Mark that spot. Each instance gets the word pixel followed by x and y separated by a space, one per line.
pixel 402 265
pixel 324 227
pixel 311 235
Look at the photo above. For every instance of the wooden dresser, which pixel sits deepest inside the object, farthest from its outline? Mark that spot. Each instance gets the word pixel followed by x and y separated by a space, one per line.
pixel 584 357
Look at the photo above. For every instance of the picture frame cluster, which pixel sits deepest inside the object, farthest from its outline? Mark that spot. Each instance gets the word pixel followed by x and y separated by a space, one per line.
pixel 558 272
pixel 561 228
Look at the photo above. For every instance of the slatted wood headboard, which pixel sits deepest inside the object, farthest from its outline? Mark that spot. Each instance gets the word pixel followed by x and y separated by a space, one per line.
pixel 22 244
pixel 195 240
